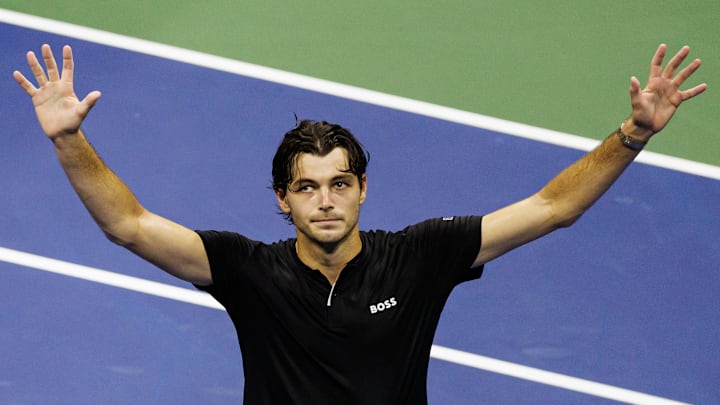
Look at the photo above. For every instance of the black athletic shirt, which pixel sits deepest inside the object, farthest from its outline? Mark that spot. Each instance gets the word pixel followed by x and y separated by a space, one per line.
pixel 364 341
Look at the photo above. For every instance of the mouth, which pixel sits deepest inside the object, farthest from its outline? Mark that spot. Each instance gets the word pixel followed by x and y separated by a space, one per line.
pixel 323 221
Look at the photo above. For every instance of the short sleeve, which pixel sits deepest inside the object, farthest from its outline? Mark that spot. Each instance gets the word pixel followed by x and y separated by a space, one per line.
pixel 226 251
pixel 450 245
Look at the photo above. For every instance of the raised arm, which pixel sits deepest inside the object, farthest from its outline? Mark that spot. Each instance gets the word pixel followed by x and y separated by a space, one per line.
pixel 565 198
pixel 170 246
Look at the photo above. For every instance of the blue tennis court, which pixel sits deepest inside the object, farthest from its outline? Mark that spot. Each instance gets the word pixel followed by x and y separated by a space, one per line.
pixel 622 306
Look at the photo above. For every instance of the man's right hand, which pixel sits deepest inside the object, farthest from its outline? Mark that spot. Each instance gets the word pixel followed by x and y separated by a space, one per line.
pixel 58 109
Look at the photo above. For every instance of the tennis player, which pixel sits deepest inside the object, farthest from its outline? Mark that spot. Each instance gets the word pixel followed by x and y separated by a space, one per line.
pixel 336 315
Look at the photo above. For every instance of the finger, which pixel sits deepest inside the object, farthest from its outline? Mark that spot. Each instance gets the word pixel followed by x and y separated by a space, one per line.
pixel 89 102
pixel 91 98
pixel 68 64
pixel 52 69
pixel 657 60
pixel 675 62
pixel 690 93
pixel 634 87
pixel 634 91
pixel 24 83
pixel 37 70
pixel 687 72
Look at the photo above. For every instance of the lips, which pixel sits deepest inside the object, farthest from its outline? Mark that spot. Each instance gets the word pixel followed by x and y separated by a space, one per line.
pixel 321 221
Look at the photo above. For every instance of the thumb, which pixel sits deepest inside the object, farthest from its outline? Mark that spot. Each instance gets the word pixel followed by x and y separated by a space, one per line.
pixel 89 102
pixel 635 91
pixel 634 87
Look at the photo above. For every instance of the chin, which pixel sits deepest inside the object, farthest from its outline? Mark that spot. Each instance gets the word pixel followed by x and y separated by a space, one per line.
pixel 329 237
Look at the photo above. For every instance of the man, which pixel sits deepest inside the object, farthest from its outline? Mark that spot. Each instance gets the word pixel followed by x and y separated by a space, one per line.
pixel 336 315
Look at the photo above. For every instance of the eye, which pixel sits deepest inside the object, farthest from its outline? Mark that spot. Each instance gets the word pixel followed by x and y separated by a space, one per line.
pixel 302 188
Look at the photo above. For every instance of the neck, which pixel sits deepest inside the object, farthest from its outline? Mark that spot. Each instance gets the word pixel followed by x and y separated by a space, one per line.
pixel 329 259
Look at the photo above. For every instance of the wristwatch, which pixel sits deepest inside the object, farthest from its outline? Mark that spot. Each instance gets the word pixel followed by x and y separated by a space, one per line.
pixel 629 142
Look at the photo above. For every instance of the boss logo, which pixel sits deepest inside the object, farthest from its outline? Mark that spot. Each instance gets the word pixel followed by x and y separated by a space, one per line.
pixel 382 306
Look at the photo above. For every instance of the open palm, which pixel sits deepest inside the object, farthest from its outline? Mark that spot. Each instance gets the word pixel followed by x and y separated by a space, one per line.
pixel 654 106
pixel 58 109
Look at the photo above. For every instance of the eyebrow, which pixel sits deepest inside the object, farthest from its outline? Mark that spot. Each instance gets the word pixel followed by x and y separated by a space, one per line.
pixel 346 177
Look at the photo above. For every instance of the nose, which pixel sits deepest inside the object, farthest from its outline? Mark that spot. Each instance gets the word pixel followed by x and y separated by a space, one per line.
pixel 325 200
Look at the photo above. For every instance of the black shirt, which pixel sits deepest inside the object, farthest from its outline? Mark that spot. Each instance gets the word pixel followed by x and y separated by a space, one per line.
pixel 365 340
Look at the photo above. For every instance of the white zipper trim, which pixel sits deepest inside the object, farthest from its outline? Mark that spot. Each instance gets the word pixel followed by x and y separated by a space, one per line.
pixel 329 301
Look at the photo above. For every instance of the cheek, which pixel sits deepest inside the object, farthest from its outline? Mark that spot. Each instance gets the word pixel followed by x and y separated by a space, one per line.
pixel 296 205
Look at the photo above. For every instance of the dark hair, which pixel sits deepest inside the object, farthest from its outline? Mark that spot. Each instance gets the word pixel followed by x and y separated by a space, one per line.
pixel 316 138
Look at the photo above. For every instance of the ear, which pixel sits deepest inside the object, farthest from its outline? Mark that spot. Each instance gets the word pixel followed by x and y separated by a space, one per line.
pixel 363 188
pixel 282 200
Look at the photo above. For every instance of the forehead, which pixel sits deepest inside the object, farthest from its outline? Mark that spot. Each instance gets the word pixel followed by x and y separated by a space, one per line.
pixel 310 166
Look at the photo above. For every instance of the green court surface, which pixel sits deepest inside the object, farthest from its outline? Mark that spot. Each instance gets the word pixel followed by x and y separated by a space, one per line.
pixel 562 65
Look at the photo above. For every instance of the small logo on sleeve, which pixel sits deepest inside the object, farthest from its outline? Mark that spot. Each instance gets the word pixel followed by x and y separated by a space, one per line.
pixel 448 218
pixel 383 306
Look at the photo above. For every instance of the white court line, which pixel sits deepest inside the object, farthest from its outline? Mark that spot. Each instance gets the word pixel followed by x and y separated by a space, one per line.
pixel 438 352
pixel 109 278
pixel 341 90
pixel 546 377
